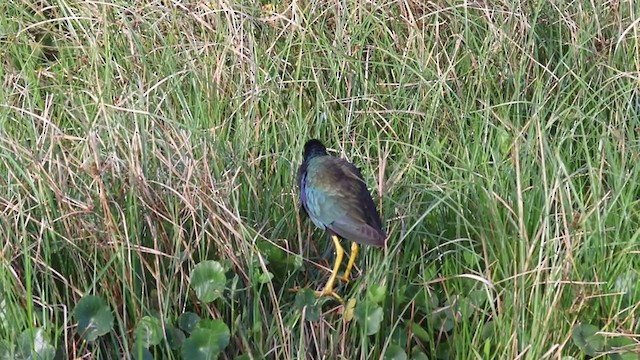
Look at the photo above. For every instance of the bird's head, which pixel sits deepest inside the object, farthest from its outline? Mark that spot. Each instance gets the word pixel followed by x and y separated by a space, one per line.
pixel 313 148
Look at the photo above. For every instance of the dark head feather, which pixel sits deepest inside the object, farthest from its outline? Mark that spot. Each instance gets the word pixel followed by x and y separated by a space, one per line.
pixel 313 148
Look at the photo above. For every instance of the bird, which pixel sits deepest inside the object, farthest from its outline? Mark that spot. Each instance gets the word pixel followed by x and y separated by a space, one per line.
pixel 334 195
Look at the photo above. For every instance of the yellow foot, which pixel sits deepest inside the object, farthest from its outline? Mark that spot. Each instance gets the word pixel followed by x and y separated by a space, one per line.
pixel 319 294
pixel 329 292
pixel 328 288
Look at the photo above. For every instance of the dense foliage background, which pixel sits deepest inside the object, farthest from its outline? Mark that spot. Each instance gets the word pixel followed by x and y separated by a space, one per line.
pixel 148 153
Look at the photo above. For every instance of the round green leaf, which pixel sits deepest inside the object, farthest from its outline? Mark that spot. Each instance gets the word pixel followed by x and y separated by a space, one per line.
pixel 208 280
pixel 265 277
pixel 140 352
pixel 399 335
pixel 148 332
pixel 175 337
pixel 621 343
pixel 585 338
pixel 369 317
pixel 206 341
pixel 622 348
pixel 188 321
pixel 487 330
pixel 464 307
pixel 471 259
pixel 298 262
pixel 271 252
pixel 93 316
pixel 419 332
pixel 623 355
pixel 444 319
pixel 306 301
pixel 478 297
pixel 416 354
pixel 219 329
pixel 376 293
pixel 427 300
pixel 443 351
pixel 395 352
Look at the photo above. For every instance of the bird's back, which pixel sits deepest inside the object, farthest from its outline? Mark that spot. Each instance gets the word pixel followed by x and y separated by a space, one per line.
pixel 336 197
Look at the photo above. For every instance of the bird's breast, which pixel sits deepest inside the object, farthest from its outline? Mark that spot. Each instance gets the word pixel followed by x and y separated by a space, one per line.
pixel 313 203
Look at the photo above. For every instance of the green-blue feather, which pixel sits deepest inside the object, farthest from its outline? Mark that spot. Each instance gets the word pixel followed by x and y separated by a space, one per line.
pixel 334 195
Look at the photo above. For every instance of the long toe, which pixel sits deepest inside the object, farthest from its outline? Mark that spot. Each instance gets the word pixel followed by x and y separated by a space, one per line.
pixel 329 292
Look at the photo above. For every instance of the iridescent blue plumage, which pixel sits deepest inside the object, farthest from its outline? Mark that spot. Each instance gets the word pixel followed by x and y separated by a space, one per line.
pixel 335 197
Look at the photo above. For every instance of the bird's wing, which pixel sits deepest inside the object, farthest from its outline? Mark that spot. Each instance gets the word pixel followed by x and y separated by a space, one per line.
pixel 302 170
pixel 338 198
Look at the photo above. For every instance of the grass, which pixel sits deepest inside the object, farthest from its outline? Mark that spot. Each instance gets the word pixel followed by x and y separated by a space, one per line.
pixel 500 140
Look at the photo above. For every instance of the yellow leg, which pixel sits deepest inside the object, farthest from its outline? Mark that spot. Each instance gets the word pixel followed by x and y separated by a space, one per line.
pixel 355 248
pixel 328 288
